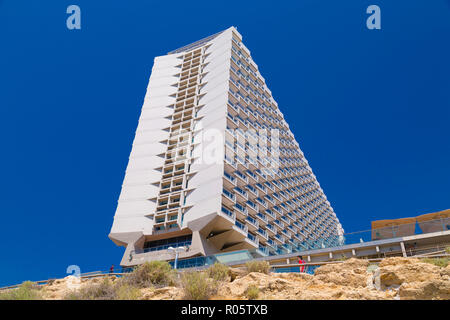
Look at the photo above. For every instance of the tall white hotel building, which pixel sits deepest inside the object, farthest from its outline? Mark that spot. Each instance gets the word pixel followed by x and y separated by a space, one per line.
pixel 214 166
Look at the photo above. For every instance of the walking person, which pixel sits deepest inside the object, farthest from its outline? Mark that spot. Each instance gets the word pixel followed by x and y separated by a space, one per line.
pixel 301 262
pixel 111 270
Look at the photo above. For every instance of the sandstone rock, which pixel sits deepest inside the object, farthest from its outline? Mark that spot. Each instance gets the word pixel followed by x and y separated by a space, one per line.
pixel 406 270
pixel 352 273
pixel 166 293
pixel 236 273
pixel 433 289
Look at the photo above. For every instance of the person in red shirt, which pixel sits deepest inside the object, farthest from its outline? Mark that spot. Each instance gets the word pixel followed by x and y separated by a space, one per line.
pixel 301 262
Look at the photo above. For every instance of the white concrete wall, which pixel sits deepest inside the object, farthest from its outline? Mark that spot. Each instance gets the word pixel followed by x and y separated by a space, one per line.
pixel 141 173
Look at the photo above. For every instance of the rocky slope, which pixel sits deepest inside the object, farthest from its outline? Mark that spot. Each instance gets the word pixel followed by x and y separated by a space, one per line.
pixel 392 278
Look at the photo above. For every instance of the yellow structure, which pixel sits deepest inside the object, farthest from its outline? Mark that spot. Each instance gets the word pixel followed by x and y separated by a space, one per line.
pixel 430 222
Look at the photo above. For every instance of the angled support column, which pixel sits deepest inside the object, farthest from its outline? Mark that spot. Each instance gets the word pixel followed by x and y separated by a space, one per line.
pixel 402 245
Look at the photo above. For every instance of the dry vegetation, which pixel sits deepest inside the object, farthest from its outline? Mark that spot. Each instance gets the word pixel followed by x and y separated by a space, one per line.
pixel 27 291
pixel 440 262
pixel 258 266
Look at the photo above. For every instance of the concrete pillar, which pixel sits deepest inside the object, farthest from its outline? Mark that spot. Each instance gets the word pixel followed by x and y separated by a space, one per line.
pixel 402 245
pixel 377 248
pixel 309 258
pixel 353 252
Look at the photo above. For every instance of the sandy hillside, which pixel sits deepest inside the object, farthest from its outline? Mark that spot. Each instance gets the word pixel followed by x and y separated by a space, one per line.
pixel 393 278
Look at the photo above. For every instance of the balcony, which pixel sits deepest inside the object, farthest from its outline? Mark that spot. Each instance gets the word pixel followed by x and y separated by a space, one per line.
pixel 279 224
pixel 269 185
pixel 253 207
pixel 241 211
pixel 269 199
pixel 241 195
pixel 262 202
pixel 262 218
pixel 277 210
pixel 264 251
pixel 229 180
pixel 262 233
pixel 242 177
pixel 253 192
pixel 271 228
pixel 232 123
pixel 279 239
pixel 228 198
pixel 254 240
pixel 253 224
pixel 241 227
pixel 230 164
pixel 270 214
pixel 286 233
pixel 251 162
pixel 271 243
pixel 228 213
pixel 242 164
pixel 261 187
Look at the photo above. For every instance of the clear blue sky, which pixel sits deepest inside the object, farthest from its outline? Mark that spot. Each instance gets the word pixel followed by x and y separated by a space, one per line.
pixel 370 109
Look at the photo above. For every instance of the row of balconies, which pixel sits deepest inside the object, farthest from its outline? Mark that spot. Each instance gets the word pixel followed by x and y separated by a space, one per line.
pixel 191 64
pixel 186 94
pixel 250 97
pixel 172 185
pixel 191 77
pixel 168 213
pixel 235 122
pixel 310 187
pixel 183 117
pixel 190 73
pixel 250 118
pixel 236 72
pixel 244 60
pixel 236 153
pixel 238 48
pixel 237 201
pixel 187 84
pixel 249 144
pixel 192 54
pixel 167 199
pixel 287 237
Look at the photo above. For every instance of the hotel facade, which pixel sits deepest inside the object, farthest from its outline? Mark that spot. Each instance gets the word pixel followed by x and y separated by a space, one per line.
pixel 214 167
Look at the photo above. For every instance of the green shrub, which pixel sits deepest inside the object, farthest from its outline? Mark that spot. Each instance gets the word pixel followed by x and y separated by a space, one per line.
pixel 154 273
pixel 252 292
pixel 258 266
pixel 440 262
pixel 197 286
pixel 219 272
pixel 26 291
pixel 447 250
